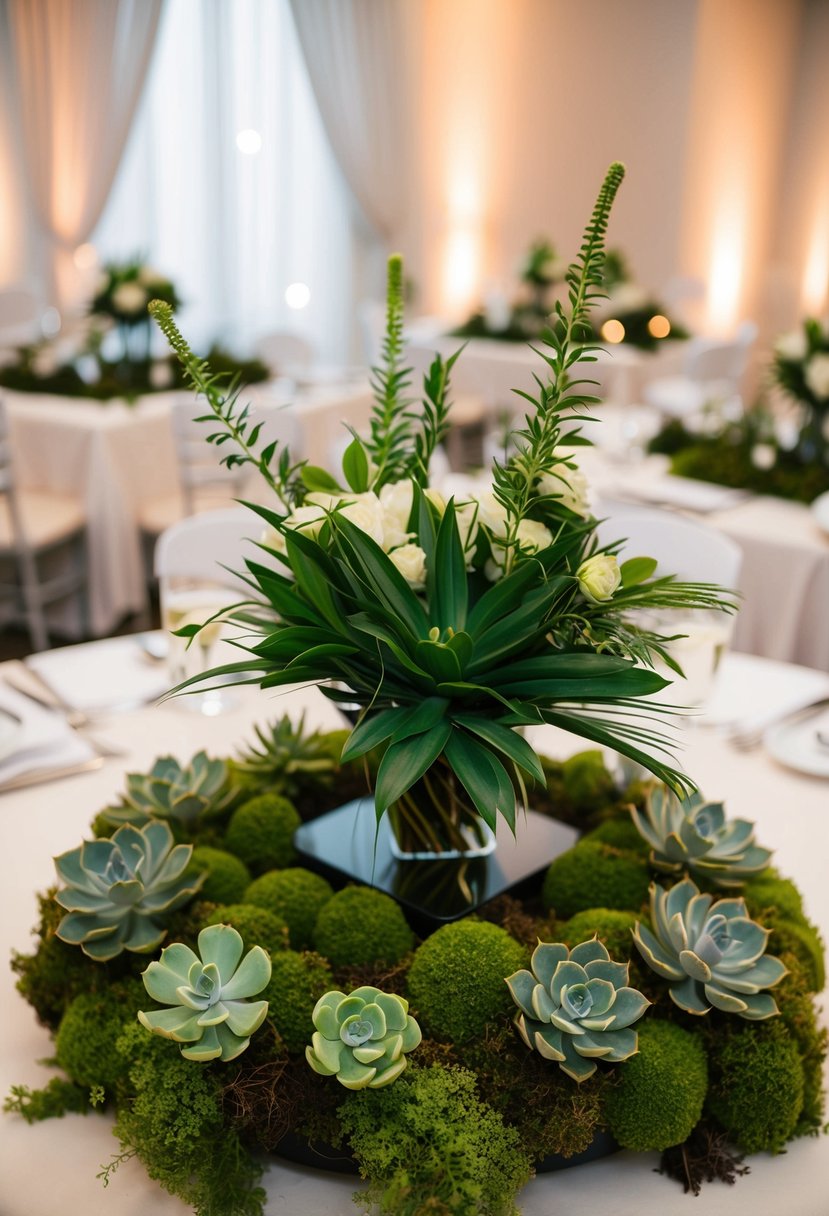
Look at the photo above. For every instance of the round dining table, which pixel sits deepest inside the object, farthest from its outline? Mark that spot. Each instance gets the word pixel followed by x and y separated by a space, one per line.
pixel 53 1166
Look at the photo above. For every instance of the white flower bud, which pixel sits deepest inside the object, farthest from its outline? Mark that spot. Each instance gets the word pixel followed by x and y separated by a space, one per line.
pixel 533 536
pixel 568 486
pixel 599 577
pixel 410 560
pixel 491 513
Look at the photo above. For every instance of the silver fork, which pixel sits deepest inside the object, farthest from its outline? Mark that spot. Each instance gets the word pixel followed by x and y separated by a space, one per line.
pixel 746 738
pixel 76 718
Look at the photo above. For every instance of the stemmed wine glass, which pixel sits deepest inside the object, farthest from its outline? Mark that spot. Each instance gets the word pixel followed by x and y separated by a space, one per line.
pixel 190 601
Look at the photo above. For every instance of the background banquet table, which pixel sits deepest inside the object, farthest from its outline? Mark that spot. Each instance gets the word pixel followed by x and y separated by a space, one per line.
pixel 119 457
pixel 56 1162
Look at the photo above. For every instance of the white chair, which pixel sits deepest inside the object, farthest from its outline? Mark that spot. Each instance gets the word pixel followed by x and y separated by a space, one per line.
pixel 42 546
pixel 205 484
pixel 285 353
pixel 210 547
pixel 690 550
pixel 712 372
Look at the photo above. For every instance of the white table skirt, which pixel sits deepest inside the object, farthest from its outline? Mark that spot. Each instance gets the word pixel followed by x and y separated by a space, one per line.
pixel 54 1164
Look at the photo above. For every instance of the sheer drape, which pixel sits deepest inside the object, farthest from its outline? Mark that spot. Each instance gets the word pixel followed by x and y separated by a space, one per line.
pixel 234 230
pixel 79 68
pixel 357 57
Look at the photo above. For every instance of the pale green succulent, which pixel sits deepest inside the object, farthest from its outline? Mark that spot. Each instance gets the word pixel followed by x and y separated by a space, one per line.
pixel 211 1017
pixel 712 954
pixel 692 834
pixel 116 890
pixel 288 757
pixel 575 1007
pixel 362 1038
pixel 173 791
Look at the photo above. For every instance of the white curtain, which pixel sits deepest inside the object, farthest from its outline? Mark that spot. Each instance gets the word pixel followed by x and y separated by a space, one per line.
pixel 79 66
pixel 234 230
pixel 357 52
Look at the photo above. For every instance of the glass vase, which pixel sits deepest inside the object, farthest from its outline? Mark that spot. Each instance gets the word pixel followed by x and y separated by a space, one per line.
pixel 435 820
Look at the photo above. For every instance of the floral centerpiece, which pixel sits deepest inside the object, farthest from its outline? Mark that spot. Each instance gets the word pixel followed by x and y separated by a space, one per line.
pixel 766 450
pixel 224 1000
pixel 629 313
pixel 108 353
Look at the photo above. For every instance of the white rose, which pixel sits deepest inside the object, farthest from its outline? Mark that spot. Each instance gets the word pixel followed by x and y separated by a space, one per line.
pixel 817 375
pixel 792 346
pixel 396 502
pixel 327 501
pixel 598 577
pixel 568 486
pixel 129 298
pixel 410 560
pixel 436 499
pixel 532 536
pixel 763 455
pixel 308 520
pixel 273 538
pixel 491 513
pixel 365 511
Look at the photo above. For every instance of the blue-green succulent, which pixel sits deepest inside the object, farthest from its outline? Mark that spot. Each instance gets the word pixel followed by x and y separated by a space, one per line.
pixel 691 834
pixel 117 890
pixel 575 1007
pixel 362 1039
pixel 712 954
pixel 211 1016
pixel 174 791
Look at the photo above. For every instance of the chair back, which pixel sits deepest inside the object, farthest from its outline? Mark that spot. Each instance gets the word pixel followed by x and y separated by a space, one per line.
pixel 284 352
pixel 8 488
pixel 692 551
pixel 711 361
pixel 210 546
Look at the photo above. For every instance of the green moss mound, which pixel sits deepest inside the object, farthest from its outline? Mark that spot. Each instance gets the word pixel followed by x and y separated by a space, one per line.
pixel 619 833
pixel 757 1086
pixel 89 1030
pixel 456 980
pixel 297 982
pixel 611 925
pixel 661 1091
pixel 586 780
pixel 257 926
pixel 593 874
pixel 429 1144
pixel 360 926
pixel 803 941
pixel 799 1016
pixel 769 890
pixel 227 876
pixel 297 896
pixel 261 833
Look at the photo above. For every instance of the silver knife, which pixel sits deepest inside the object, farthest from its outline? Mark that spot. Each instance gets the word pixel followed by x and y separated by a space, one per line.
pixel 38 776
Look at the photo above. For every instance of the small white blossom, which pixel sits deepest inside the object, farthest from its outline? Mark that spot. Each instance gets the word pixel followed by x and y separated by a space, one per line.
pixel 817 376
pixel 129 298
pixel 763 455
pixel 366 513
pixel 396 502
pixel 599 577
pixel 532 536
pixel 792 346
pixel 410 560
pixel 568 485
pixel 492 514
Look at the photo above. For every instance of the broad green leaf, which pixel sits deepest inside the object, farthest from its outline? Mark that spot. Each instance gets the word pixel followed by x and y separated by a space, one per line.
pixel 424 524
pixel 440 662
pixel 517 630
pixel 311 572
pixel 371 731
pixel 317 480
pixel 566 665
pixel 503 597
pixel 636 570
pixel 463 646
pixel 355 466
pixel 483 777
pixel 448 591
pixel 425 716
pixel 606 733
pixel 404 763
pixel 637 682
pixel 506 741
pixel 382 577
pixel 327 650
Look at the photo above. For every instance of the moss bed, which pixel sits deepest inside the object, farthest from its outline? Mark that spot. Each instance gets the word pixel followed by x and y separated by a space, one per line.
pixel 700 1090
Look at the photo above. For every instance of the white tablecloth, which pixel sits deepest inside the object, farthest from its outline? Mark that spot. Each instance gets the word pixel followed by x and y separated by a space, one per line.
pixel 118 457
pixel 52 1166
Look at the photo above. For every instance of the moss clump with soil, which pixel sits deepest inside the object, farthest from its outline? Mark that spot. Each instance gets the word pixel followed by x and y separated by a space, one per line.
pixel 612 926
pixel 257 926
pixel 593 874
pixel 360 926
pixel 261 833
pixel 227 876
pixel 757 1085
pixel 297 896
pixel 659 1097
pixel 297 982
pixel 89 1030
pixel 456 980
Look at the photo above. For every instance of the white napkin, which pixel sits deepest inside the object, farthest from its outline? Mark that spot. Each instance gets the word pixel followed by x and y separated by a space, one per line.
pixel 683 492
pixel 45 740
pixel 97 676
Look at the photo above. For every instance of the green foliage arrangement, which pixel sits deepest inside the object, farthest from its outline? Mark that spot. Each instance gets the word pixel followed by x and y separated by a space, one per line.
pixel 472 1094
pixel 801 369
pixel 451 625
pixel 633 308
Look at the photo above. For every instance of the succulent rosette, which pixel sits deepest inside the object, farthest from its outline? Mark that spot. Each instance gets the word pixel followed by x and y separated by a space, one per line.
pixel 694 834
pixel 575 1007
pixel 116 890
pixel 712 954
pixel 362 1039
pixel 211 1016
pixel 173 791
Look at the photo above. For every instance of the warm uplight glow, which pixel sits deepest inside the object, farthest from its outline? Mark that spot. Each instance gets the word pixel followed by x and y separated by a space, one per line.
pixel 85 256
pixel 461 267
pixel 249 142
pixel 815 284
pixel 726 274
pixel 659 326
pixel 613 331
pixel 297 295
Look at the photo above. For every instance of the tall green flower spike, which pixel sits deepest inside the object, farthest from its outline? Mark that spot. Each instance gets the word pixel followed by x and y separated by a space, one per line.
pixel 692 834
pixel 575 1007
pixel 116 890
pixel 211 1016
pixel 362 1039
pixel 713 955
